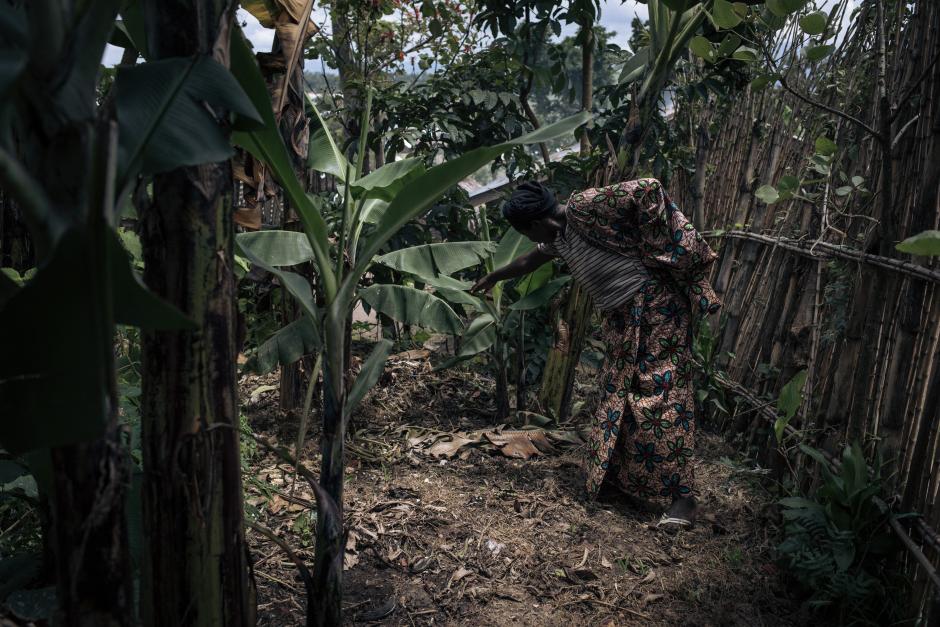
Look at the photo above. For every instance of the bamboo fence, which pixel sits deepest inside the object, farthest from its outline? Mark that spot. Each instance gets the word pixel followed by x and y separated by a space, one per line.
pixel 817 283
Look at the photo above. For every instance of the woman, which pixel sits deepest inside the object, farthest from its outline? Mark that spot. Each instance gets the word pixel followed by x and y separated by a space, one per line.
pixel 644 266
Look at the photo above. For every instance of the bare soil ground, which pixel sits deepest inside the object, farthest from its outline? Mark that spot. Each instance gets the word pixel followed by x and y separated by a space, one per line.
pixel 480 538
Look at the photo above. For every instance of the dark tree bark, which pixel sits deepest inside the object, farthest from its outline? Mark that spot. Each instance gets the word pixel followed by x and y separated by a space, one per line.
pixel 195 567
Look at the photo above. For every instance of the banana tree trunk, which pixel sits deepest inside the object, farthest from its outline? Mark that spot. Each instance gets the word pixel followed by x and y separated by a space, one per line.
pixel 195 566
pixel 326 604
pixel 557 392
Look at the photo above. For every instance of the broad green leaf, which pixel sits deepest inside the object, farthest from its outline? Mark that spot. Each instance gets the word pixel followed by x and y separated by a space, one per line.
pixel 512 245
pixel 120 37
pixel 52 371
pixel 411 306
pixel 701 47
pixel 78 71
pixel 134 304
pixel 430 260
pixel 857 181
pixel 372 210
pixel 926 244
pixel 266 145
pixel 296 284
pixel 728 45
pixel 447 282
pixel 418 195
pixel 767 194
pixel 788 402
pixel 460 297
pixel 479 336
pixel 818 457
pixel 323 155
pixel 783 8
pixel 825 146
pixel 819 52
pixel 791 395
pixel 788 183
pixel 844 190
pixel 162 114
pixel 635 66
pixel 724 15
pixel 678 6
pixel 536 279
pixel 748 55
pixel 541 296
pixel 277 248
pixel 762 81
pixel 289 344
pixel 388 180
pixel 368 375
pixel 813 23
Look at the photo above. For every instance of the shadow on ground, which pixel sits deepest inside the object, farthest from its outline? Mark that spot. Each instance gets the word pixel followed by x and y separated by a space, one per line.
pixel 482 539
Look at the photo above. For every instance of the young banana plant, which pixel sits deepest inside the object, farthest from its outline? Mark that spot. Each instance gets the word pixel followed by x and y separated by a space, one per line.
pixel 375 207
pixel 489 331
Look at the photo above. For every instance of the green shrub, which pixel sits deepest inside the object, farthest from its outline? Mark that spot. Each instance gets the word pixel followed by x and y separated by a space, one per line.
pixel 838 543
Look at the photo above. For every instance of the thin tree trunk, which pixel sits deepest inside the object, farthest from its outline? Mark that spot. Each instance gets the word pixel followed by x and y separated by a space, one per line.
pixel 195 565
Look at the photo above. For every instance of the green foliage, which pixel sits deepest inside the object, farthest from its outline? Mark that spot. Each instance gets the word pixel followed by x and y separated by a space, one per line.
pixel 789 402
pixel 81 265
pixel 838 545
pixel 164 122
pixel 710 395
pixel 412 306
pixel 926 244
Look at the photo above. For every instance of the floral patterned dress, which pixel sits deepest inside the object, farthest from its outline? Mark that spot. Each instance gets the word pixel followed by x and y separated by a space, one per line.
pixel 643 434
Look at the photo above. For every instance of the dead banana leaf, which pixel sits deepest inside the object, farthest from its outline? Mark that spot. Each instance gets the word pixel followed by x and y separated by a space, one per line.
pixel 450 446
pixel 266 11
pixel 517 444
pixel 249 217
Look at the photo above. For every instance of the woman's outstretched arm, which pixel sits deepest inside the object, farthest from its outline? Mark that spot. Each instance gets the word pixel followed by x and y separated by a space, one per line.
pixel 521 266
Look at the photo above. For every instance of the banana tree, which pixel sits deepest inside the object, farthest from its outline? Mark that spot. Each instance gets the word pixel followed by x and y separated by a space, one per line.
pixel 69 161
pixel 374 208
pixel 490 331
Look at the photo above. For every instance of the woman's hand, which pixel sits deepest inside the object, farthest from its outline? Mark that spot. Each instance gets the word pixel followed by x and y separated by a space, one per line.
pixel 485 284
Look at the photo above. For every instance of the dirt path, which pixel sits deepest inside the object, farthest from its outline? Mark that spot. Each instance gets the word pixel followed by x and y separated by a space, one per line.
pixel 489 540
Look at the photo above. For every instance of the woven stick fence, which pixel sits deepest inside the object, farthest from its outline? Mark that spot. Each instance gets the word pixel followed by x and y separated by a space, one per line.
pixel 815 282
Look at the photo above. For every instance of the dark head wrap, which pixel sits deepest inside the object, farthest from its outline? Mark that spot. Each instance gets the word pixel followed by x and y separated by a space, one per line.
pixel 530 201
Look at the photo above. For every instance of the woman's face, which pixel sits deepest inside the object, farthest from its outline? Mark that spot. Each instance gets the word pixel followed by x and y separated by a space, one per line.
pixel 543 230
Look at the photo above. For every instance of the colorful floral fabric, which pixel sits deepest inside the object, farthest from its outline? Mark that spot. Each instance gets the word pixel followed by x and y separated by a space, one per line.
pixel 637 218
pixel 644 428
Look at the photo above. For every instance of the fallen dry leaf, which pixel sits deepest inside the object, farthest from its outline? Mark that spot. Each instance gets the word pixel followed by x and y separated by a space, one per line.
pixel 459 574
pixel 450 447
